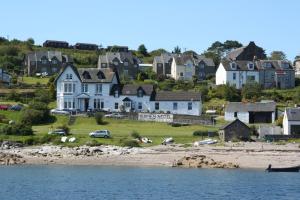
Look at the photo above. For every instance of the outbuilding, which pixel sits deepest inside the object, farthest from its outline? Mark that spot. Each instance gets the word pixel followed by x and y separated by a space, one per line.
pixel 235 130
pixel 291 121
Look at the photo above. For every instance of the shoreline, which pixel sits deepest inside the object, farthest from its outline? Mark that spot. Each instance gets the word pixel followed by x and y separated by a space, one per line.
pixel 231 155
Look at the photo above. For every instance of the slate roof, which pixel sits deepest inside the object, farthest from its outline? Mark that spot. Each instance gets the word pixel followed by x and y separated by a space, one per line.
pixel 177 96
pixel 107 75
pixel 131 89
pixel 276 64
pixel 240 65
pixel 233 122
pixel 293 114
pixel 121 56
pixel 251 107
pixel 36 56
pixel 235 53
pixel 163 58
pixel 207 61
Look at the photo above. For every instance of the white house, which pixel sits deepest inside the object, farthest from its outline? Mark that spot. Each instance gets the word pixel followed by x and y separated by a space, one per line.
pixel 236 73
pixel 259 112
pixel 182 68
pixel 100 89
pixel 291 121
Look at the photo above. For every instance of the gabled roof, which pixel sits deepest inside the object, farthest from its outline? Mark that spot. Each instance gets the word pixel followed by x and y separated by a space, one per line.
pixel 181 59
pixel 121 56
pixel 232 123
pixel 126 99
pixel 207 61
pixel 177 96
pixel 93 74
pixel 164 58
pixel 251 107
pixel 275 64
pixel 38 55
pixel 131 89
pixel 293 114
pixel 240 65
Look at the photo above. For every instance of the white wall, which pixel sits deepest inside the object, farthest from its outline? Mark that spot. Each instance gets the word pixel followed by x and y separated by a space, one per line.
pixel 188 70
pixel 287 124
pixel 243 116
pixel 221 75
pixel 182 107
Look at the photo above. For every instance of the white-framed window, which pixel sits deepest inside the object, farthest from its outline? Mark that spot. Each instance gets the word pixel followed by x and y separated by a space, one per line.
pixel 104 65
pixel 116 105
pixel 84 87
pixel 233 76
pixel 181 74
pixel 69 87
pixel 127 104
pixel 116 94
pixel 233 65
pixel 140 93
pixel 175 105
pixel 156 105
pixel 250 66
pixel 69 104
pixel 190 106
pixel 140 105
pixel 97 103
pixel 98 88
pixel 71 76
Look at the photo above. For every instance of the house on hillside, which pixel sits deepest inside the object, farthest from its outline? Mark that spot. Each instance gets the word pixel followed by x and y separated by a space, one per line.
pixel 56 44
pixel 162 64
pixel 182 67
pixel 86 46
pixel 291 121
pixel 100 89
pixel 248 53
pixel 268 73
pixel 117 48
pixel 297 66
pixel 5 78
pixel 235 130
pixel 45 61
pixel 259 112
pixel 125 63
pixel 236 73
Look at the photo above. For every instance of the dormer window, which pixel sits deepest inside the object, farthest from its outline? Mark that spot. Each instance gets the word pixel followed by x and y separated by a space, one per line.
pixel 100 75
pixel 233 66
pixel 86 75
pixel 267 65
pixel 285 65
pixel 140 93
pixel 250 66
pixel 69 76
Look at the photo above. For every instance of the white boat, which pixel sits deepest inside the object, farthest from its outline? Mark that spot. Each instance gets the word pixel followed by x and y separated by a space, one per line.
pixel 72 139
pixel 206 141
pixel 64 139
pixel 168 140
pixel 146 140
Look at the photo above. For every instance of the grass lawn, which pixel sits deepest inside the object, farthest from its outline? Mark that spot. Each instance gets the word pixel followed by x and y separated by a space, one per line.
pixel 120 129
pixel 34 80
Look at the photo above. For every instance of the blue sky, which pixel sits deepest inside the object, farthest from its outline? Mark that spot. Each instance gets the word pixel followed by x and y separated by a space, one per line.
pixel 190 24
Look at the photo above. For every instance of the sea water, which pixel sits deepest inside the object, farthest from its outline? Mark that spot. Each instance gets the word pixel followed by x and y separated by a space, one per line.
pixel 97 182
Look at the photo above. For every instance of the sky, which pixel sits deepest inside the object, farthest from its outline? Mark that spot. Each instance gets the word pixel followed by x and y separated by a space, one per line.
pixel 190 24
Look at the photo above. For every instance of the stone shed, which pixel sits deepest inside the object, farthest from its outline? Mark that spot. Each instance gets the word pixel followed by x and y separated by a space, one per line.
pixel 235 130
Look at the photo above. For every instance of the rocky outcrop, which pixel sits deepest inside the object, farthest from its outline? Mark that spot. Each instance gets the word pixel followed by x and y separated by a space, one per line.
pixel 10 145
pixel 202 161
pixel 10 159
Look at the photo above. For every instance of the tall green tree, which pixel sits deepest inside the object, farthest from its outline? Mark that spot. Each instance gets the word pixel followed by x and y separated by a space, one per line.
pixel 277 55
pixel 143 50
pixel 177 50
pixel 252 91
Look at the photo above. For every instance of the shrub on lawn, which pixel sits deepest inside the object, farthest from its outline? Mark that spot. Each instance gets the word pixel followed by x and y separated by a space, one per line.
pixel 16 129
pixel 36 113
pixel 135 135
pixel 31 141
pixel 93 143
pixel 129 143
pixel 99 118
pixel 49 138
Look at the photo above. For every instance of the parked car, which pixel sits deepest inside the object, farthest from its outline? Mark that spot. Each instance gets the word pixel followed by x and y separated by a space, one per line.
pixel 57 132
pixel 114 115
pixel 100 134
pixel 4 107
pixel 59 112
pixel 16 107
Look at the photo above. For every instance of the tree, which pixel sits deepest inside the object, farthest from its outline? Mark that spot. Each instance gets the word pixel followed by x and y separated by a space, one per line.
pixel 30 41
pixel 251 91
pixel 177 50
pixel 143 50
pixel 277 55
pixel 142 76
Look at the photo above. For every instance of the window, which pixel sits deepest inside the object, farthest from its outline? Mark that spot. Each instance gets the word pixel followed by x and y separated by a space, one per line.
pixel 156 105
pixel 126 63
pixel 65 105
pixel 201 66
pixel 98 88
pixel 102 104
pixel 140 106
pixel 250 66
pixel 235 114
pixel 285 65
pixel 97 103
pixel 234 76
pixel 116 94
pixel 68 87
pixel 267 65
pixel 69 76
pixel 159 65
pixel 54 62
pixel 140 93
pixel 175 105
pixel 69 104
pixel 181 74
pixel 103 65
pixel 116 106
pixel 233 65
pixel 84 87
pixel 190 106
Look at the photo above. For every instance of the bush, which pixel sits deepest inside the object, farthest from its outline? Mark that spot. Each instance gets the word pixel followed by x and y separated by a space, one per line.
pixel 93 143
pixel 279 121
pixel 135 135
pixel 65 128
pixel 129 143
pixel 49 138
pixel 17 129
pixel 99 118
pixel 36 113
pixel 31 141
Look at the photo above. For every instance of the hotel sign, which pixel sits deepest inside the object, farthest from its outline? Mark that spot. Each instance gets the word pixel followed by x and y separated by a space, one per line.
pixel 155 117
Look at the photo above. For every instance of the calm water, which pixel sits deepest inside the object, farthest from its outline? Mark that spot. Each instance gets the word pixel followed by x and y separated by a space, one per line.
pixel 81 182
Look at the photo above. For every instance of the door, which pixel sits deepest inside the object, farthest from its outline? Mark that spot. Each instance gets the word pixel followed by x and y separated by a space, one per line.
pixel 86 104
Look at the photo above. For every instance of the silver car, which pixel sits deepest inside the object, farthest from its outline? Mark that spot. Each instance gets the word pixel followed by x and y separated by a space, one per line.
pixel 100 134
